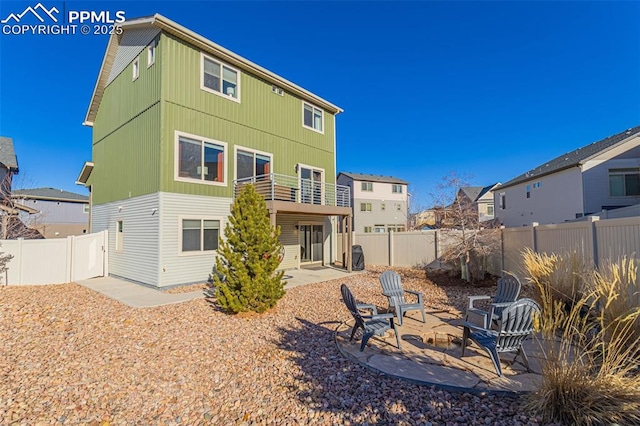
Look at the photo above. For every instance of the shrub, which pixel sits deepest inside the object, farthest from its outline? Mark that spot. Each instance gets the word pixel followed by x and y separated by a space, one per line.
pixel 589 368
pixel 248 258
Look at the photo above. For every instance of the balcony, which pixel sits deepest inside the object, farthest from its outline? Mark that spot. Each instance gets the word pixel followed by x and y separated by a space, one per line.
pixel 295 195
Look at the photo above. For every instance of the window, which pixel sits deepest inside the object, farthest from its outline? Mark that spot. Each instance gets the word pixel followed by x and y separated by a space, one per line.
pixel 277 90
pixel 395 228
pixel 119 236
pixel 200 234
pixel 200 160
pixel 624 182
pixel 220 79
pixel 367 186
pixel 379 229
pixel 536 185
pixel 383 206
pixel 367 229
pixel 136 68
pixel 503 201
pixel 312 117
pixel 85 208
pixel 365 207
pixel 396 189
pixel 490 210
pixel 252 163
pixel 151 53
pixel 528 191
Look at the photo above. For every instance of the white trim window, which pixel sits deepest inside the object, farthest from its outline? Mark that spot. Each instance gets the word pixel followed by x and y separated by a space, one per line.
pixel 151 53
pixel 490 211
pixel 135 69
pixel 85 208
pixel 368 229
pixel 365 207
pixel 252 163
pixel 503 200
pixel 396 189
pixel 200 160
pixel 199 235
pixel 119 235
pixel 624 182
pixel 367 186
pixel 219 78
pixel 312 117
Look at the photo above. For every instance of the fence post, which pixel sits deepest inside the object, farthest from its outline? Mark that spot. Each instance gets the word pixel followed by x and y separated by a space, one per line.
pixel 69 273
pixel 593 234
pixel 391 249
pixel 501 250
pixel 534 237
pixel 105 253
pixel 20 263
pixel 435 243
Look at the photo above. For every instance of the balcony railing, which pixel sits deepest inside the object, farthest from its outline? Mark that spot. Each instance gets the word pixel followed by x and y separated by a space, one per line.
pixel 275 187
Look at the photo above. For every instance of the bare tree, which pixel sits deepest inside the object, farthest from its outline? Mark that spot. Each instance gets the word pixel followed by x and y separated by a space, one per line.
pixel 469 242
pixel 16 220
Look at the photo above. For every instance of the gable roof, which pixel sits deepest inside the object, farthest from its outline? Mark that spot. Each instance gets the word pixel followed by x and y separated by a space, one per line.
pixel 52 194
pixel 159 23
pixel 373 178
pixel 576 157
pixel 7 154
pixel 474 193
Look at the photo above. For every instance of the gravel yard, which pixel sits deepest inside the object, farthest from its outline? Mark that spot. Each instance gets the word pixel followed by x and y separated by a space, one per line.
pixel 72 356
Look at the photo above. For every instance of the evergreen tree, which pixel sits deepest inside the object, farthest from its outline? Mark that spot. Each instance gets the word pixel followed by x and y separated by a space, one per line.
pixel 248 258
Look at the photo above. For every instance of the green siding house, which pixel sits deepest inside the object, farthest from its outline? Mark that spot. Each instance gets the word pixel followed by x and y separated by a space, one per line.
pixel 180 124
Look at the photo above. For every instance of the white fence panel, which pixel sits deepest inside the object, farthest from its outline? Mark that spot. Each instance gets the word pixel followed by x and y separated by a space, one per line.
pixel 514 240
pixel 566 238
pixel 375 248
pixel 55 261
pixel 617 238
pixel 414 248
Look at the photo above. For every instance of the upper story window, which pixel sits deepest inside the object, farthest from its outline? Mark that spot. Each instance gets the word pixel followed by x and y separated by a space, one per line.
pixel 85 208
pixel 200 160
pixel 396 189
pixel 503 201
pixel 365 207
pixel 312 117
pixel 136 68
pixel 220 78
pixel 151 53
pixel 536 185
pixel 490 210
pixel 528 191
pixel 367 186
pixel 624 182
pixel 250 163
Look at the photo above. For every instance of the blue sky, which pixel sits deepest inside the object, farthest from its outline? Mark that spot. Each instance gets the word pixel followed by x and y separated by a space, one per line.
pixel 489 89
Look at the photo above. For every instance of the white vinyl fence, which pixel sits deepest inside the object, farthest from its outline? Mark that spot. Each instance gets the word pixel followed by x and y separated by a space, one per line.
pixel 55 261
pixel 597 240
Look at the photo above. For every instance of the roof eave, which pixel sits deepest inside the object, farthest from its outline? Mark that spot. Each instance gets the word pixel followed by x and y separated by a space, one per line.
pixel 509 185
pixel 83 177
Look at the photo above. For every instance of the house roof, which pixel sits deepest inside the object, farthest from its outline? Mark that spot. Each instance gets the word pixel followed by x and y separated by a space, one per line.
pixel 474 193
pixel 164 24
pixel 7 153
pixel 576 157
pixel 49 194
pixel 373 178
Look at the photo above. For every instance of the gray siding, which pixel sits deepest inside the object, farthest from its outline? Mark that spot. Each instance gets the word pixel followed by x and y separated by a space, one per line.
pixel 58 211
pixel 138 261
pixel 390 216
pixel 132 44
pixel 596 184
pixel 176 267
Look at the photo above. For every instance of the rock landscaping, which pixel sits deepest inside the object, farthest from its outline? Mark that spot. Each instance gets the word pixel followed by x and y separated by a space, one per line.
pixel 72 356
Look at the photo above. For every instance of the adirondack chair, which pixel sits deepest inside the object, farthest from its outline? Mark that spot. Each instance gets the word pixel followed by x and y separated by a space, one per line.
pixel 374 324
pixel 507 293
pixel 516 323
pixel 392 288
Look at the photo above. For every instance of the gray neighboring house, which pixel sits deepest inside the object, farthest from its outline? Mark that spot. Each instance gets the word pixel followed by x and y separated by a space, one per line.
pixel 60 213
pixel 482 199
pixel 8 164
pixel 380 203
pixel 603 175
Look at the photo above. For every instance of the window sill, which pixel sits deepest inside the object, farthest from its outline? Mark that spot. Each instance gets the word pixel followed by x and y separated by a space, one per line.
pixel 197 253
pixel 230 98
pixel 313 129
pixel 199 181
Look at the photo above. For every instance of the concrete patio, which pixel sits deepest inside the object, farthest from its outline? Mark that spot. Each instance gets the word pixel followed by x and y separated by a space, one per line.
pixel 431 355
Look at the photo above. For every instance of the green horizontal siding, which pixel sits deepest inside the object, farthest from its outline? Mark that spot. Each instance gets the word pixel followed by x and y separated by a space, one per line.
pixel 259 108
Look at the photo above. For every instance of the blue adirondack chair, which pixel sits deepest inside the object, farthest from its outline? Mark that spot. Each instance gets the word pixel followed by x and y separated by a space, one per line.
pixel 374 324
pixel 516 323
pixel 507 293
pixel 392 288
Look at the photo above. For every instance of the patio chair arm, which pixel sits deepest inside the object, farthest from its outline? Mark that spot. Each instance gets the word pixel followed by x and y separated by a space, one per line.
pixel 379 316
pixel 473 326
pixel 373 308
pixel 476 298
pixel 417 294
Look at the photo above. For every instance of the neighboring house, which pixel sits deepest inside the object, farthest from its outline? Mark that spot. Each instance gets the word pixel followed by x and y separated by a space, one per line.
pixel 600 176
pixel 60 213
pixel 11 224
pixel 179 125
pixel 481 200
pixel 380 203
